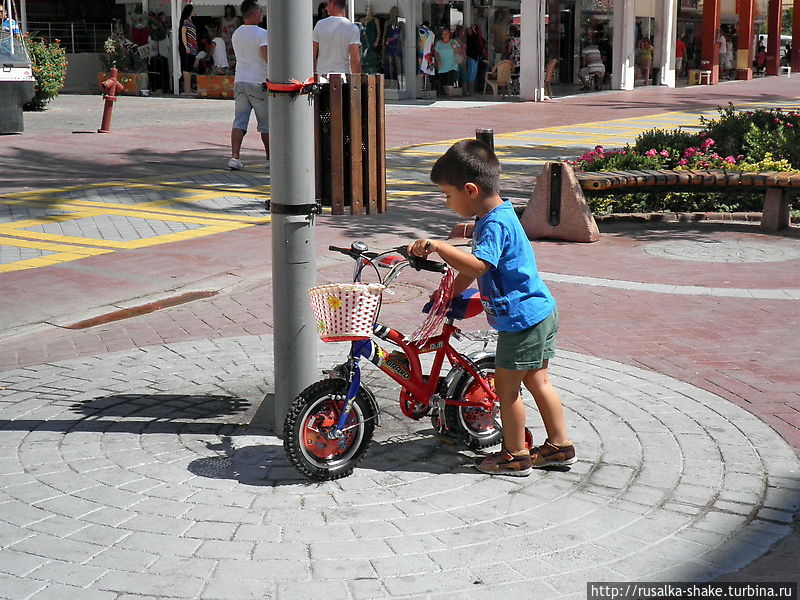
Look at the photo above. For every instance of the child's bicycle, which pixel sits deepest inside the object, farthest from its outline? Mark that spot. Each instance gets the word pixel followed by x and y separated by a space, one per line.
pixel 330 424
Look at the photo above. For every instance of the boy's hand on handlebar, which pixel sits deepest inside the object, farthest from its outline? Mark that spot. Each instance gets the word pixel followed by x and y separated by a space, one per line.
pixel 422 248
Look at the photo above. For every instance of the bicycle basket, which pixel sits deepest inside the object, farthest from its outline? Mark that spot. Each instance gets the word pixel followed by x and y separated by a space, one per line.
pixel 345 312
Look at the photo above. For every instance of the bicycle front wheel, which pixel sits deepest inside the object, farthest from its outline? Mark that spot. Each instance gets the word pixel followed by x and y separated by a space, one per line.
pixel 308 437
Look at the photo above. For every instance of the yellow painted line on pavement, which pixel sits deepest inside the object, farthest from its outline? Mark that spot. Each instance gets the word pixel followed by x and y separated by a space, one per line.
pixel 133 244
pixel 63 253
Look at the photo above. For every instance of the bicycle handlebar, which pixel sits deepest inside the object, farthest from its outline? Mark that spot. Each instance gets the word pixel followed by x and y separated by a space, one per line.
pixel 420 264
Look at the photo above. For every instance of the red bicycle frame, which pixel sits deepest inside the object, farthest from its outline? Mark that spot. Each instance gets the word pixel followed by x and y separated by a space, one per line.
pixel 421 387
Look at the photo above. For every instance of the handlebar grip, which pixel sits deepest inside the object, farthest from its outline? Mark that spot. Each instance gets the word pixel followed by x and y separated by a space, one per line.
pixel 340 250
pixel 421 264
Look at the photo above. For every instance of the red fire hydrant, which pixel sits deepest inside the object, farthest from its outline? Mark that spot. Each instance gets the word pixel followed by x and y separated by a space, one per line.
pixel 111 87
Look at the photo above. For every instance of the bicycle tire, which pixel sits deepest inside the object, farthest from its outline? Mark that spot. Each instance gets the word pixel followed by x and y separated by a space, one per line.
pixel 309 452
pixel 479 429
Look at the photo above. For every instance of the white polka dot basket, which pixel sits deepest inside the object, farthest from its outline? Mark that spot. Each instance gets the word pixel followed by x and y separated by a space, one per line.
pixel 345 312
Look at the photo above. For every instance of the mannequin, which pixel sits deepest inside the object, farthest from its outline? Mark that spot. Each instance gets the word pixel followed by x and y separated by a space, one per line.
pixel 140 27
pixel 370 56
pixel 500 32
pixel 393 37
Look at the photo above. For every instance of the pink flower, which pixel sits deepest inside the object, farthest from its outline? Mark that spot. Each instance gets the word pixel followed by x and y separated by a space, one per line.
pixel 730 160
pixel 682 162
pixel 664 153
pixel 789 125
pixel 651 152
pixel 599 149
pixel 690 152
pixel 707 144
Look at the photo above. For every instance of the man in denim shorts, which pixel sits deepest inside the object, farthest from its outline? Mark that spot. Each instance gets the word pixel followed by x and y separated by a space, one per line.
pixel 250 46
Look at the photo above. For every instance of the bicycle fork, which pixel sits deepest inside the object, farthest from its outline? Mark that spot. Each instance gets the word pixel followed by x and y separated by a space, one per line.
pixel 361 349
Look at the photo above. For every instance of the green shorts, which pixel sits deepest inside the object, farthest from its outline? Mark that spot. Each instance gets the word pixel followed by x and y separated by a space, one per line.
pixel 527 349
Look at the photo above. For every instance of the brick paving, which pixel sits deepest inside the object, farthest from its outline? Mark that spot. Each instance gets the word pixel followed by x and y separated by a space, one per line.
pixel 679 372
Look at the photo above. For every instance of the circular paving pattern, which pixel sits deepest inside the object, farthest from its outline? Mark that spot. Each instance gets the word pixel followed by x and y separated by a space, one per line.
pixel 131 473
pixel 726 251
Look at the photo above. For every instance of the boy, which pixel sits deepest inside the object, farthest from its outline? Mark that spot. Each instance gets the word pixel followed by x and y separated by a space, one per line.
pixel 516 300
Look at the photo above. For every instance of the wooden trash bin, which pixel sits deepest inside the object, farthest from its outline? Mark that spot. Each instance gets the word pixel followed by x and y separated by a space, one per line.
pixel 350 144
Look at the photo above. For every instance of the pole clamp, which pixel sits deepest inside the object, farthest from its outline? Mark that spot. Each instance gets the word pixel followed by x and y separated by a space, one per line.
pixel 294 209
pixel 292 87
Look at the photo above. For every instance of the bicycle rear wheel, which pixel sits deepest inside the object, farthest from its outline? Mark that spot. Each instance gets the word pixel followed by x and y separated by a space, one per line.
pixel 480 427
pixel 307 431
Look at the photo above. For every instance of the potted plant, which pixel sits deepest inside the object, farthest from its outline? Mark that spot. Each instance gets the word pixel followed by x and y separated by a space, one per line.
pixel 120 52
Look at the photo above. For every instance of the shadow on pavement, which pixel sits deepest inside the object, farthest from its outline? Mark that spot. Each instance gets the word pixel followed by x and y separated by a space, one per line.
pixel 163 406
pixel 267 465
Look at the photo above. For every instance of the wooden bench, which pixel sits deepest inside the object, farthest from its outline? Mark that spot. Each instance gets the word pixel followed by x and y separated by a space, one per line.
pixel 777 187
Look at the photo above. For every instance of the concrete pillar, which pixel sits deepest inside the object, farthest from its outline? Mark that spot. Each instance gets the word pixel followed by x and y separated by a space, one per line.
pixel 709 51
pixel 795 58
pixel 531 71
pixel 744 53
pixel 774 37
pixel 469 14
pixel 667 31
pixel 623 75
pixel 23 15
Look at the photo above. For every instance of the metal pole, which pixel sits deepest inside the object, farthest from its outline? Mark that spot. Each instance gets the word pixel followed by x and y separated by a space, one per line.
pixel 292 206
pixel 72 35
pixel 176 59
pixel 23 15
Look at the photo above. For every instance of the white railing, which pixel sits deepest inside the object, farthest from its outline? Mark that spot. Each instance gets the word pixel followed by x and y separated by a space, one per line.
pixel 74 37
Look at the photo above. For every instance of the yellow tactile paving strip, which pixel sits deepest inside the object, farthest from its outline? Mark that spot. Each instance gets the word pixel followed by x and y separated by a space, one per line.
pixel 192 188
pixel 70 247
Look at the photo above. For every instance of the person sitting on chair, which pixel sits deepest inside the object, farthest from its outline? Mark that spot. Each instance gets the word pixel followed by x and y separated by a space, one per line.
pixel 592 63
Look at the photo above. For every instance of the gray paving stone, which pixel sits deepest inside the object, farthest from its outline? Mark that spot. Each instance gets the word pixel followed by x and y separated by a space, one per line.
pixel 150 584
pixel 18 588
pixel 68 573
pixel 54 591
pixel 239 590
pixel 127 560
pixel 263 570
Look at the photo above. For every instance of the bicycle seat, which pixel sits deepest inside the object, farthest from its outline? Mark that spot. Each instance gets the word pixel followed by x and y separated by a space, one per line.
pixel 464 306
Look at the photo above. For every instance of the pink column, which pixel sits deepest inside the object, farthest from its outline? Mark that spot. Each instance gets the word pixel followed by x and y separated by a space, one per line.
pixel 744 54
pixel 796 37
pixel 774 37
pixel 709 52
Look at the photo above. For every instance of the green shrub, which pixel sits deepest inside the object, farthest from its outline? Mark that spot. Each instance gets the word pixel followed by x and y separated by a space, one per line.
pixel 49 64
pixel 122 53
pixel 675 141
pixel 756 133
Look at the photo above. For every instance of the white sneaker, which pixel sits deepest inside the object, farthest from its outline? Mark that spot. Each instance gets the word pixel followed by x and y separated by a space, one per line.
pixel 235 164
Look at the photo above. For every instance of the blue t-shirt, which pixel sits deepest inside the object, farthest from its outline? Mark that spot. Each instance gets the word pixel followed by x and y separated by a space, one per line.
pixel 513 294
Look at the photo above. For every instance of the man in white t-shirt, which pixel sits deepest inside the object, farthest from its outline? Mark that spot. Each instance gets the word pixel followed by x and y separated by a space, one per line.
pixel 250 46
pixel 337 42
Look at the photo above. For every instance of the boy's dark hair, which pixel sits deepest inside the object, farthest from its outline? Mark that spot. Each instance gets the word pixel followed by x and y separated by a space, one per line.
pixel 468 161
pixel 340 3
pixel 247 6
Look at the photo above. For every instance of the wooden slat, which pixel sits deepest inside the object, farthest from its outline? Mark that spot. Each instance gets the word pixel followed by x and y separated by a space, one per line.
pixel 337 145
pixel 356 166
pixel 371 165
pixel 381 130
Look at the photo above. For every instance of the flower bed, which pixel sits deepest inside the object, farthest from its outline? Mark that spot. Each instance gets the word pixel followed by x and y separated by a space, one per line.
pixel 761 141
